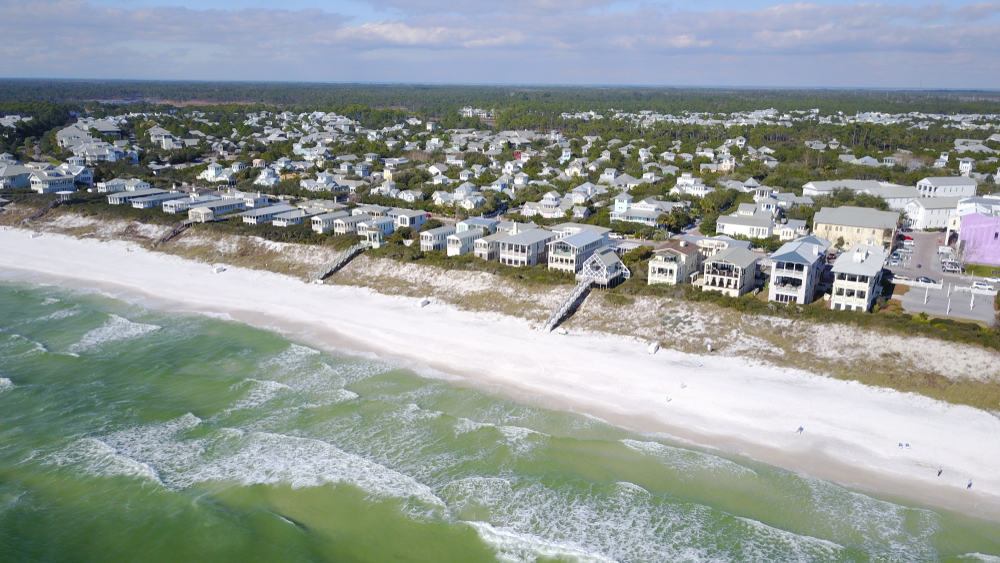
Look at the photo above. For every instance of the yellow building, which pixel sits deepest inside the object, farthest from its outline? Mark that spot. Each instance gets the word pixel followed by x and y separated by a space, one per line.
pixel 856 225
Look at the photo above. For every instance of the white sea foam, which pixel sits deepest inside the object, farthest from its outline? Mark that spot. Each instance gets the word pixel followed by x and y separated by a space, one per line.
pixel 61 314
pixel 895 531
pixel 249 458
pixel 115 329
pixel 518 438
pixel 28 347
pixel 685 461
pixel 259 392
pixel 94 457
pixel 515 547
pixel 6 384
pixel 49 301
pixel 621 521
pixel 978 557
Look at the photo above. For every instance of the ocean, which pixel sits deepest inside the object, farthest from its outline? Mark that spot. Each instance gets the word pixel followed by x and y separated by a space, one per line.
pixel 129 433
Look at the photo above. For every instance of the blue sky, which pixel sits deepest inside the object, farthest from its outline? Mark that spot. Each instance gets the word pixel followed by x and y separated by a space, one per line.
pixel 818 43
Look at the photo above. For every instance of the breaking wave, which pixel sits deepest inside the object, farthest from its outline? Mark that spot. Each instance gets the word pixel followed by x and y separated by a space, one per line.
pixel 115 329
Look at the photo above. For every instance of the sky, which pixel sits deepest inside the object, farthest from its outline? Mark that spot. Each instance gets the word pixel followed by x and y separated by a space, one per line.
pixel 817 43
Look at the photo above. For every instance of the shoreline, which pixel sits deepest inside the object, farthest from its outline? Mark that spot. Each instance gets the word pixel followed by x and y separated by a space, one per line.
pixel 727 405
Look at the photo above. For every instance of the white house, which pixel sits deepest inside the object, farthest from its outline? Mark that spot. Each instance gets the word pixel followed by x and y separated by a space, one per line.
pixel 435 239
pixel 947 186
pixel 856 277
pixel 412 218
pixel 323 223
pixel 460 243
pixel 674 263
pixel 569 253
pixel 732 272
pixel 931 212
pixel 796 269
pixel 527 248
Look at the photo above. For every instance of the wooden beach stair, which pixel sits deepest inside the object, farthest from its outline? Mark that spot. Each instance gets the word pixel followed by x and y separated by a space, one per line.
pixel 183 226
pixel 341 260
pixel 568 305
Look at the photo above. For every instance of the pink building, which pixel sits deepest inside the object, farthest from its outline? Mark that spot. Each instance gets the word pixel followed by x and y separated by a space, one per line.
pixel 980 239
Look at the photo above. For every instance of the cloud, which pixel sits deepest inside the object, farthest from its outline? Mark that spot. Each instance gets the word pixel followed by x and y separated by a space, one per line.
pixel 576 41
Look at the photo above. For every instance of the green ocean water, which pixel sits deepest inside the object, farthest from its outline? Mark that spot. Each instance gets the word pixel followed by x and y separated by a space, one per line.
pixel 128 434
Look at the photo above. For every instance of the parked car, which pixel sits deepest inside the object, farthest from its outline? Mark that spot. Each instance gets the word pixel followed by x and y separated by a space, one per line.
pixel 991 280
pixel 925 279
pixel 894 263
pixel 982 285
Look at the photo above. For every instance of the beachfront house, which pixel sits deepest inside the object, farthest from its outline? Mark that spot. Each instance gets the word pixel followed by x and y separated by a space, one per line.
pixel 847 226
pixel 488 247
pixel 857 276
pixel 156 200
pixel 267 214
pixel 676 262
pixel 122 198
pixel 527 248
pixel 460 243
pixel 323 223
pixel 604 269
pixel 570 252
pixel 795 270
pixel 412 218
pixel 211 211
pixel 348 225
pixel 436 239
pixel 732 272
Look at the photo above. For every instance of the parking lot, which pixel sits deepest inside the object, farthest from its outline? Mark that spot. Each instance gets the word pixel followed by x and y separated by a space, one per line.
pixel 952 296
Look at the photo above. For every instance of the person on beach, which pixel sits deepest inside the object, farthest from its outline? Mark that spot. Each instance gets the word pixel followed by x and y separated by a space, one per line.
pixel 800 430
pixel 939 471
pixel 969 486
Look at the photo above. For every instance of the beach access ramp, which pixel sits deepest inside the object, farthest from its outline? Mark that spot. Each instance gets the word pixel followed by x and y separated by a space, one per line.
pixel 568 305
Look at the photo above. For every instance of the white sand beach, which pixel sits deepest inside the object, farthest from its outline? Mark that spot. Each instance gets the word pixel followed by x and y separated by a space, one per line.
pixel 850 431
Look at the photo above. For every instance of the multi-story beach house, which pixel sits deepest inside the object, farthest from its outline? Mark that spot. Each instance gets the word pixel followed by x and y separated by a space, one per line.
pixel 846 226
pixel 947 186
pixel 527 248
pixel 674 263
pixel 856 278
pixel 604 269
pixel 412 218
pixel 323 223
pixel 436 239
pixel 488 247
pixel 211 211
pixel 349 223
pixel 795 270
pixel 267 214
pixel 732 272
pixel 569 253
pixel 460 243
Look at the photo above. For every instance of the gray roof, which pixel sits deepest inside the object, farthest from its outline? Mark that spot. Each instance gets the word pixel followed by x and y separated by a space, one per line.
pixel 740 257
pixel 806 250
pixel 861 260
pixel 745 220
pixel 583 238
pixel 269 210
pixel 937 202
pixel 856 217
pixel 442 230
pixel 531 236
pixel 949 181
